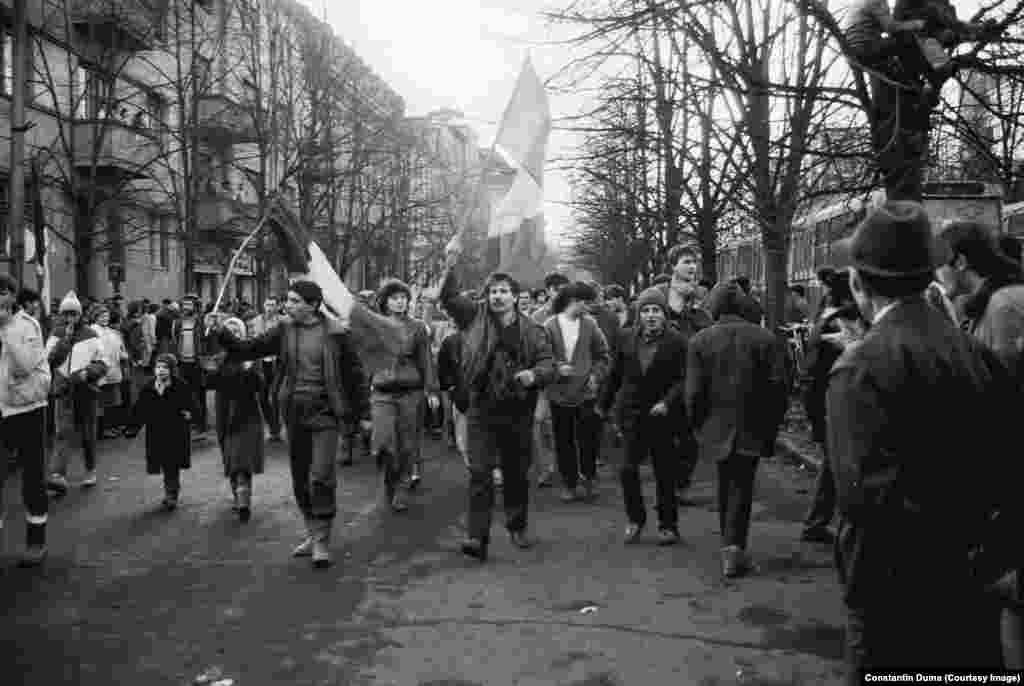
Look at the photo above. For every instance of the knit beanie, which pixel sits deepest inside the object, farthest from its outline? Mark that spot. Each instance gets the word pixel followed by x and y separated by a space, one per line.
pixel 652 296
pixel 70 303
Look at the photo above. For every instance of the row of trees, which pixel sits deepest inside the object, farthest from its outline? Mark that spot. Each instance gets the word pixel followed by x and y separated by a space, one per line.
pixel 176 121
pixel 716 118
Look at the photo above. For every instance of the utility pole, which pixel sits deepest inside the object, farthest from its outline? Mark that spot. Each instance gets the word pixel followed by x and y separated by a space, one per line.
pixel 16 195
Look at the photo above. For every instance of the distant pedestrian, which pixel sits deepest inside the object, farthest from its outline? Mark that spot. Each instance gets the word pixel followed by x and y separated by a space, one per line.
pixel 165 408
pixel 258 326
pixel 736 398
pixel 239 422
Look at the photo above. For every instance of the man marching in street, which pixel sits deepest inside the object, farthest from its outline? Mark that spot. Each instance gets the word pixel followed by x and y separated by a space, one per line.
pixel 736 399
pixel 322 385
pixel 646 388
pixel 189 342
pixel 24 389
pixel 505 359
pixel 904 409
pixel 397 396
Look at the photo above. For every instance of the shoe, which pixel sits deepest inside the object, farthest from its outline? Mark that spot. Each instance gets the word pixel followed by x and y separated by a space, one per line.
pixel 568 495
pixel 521 540
pixel 633 532
pixel 668 537
pixel 244 502
pixel 398 503
pixel 414 479
pixel 244 514
pixel 589 490
pixel 735 562
pixel 321 555
pixel 496 474
pixel 818 534
pixel 33 556
pixel 347 462
pixel 475 548
pixel 545 480
pixel 90 479
pixel 57 483
pixel 170 502
pixel 276 438
pixel 304 549
pixel 234 495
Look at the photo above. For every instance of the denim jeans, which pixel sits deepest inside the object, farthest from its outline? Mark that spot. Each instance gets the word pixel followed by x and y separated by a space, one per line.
pixel 650 436
pixel 313 457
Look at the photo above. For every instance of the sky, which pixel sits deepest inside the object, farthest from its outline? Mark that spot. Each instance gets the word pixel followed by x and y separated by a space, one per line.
pixel 461 54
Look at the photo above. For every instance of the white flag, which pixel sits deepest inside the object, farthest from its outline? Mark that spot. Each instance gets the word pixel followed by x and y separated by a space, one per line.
pixel 523 137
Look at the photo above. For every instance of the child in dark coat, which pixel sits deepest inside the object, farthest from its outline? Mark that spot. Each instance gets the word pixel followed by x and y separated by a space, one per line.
pixel 165 407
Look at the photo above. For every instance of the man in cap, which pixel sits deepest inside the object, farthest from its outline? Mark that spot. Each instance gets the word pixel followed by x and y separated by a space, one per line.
pixel 904 407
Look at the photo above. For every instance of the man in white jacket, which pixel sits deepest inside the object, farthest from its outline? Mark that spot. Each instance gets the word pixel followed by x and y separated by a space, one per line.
pixel 76 356
pixel 24 388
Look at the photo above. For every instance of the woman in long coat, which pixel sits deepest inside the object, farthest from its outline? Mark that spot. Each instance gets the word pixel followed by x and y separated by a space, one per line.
pixel 239 422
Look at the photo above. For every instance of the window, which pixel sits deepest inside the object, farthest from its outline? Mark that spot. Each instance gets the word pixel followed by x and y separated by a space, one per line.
pixel 6 62
pixel 159 242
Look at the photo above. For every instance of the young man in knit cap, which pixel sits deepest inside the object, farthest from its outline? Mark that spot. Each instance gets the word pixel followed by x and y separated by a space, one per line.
pixel 24 389
pixel 735 398
pixel 904 407
pixel 505 359
pixel 77 357
pixel 322 385
pixel 645 388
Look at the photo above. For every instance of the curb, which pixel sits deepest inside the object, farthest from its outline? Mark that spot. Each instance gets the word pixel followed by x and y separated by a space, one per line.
pixel 787 448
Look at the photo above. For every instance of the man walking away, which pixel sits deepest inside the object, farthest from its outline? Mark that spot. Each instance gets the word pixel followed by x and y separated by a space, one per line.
pixel 736 398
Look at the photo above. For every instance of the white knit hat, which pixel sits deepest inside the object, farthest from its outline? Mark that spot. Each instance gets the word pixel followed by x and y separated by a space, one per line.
pixel 70 303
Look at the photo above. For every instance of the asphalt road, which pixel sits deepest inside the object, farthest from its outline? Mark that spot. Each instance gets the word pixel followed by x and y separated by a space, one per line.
pixel 136 596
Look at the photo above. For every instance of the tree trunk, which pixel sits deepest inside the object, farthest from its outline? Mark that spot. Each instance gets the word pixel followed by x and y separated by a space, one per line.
pixel 773 238
pixel 84 247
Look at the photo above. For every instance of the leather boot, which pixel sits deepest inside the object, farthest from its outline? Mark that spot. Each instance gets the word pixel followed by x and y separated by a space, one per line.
pixel 244 495
pixel 305 549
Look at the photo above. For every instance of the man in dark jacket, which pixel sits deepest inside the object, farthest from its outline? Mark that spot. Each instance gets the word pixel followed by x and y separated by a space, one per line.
pixel 904 407
pixel 645 386
pixel 736 398
pixel 505 359
pixel 322 385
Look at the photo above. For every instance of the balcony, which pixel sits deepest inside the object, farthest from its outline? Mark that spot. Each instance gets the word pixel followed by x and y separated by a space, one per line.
pixel 110 150
pixel 216 212
pixel 130 25
pixel 222 120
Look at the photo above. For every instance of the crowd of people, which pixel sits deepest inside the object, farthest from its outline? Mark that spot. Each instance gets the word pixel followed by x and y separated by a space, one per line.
pixel 912 360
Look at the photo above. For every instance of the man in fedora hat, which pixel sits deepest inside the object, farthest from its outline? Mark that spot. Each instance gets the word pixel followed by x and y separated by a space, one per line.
pixel 899 405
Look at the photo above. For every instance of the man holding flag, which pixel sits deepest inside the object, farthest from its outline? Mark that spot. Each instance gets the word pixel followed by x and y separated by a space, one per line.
pixel 505 357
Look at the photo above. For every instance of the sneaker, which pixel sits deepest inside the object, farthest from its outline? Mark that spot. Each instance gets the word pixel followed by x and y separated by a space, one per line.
pixel 90 479
pixel 414 480
pixel 521 540
pixel 304 549
pixel 170 502
pixel 633 532
pixel 58 483
pixel 735 562
pixel 668 537
pixel 496 474
pixel 475 548
pixel 321 555
pixel 398 503
pixel 33 556
pixel 568 495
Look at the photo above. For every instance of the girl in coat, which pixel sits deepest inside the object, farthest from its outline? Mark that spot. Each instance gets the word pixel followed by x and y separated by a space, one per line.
pixel 165 407
pixel 239 422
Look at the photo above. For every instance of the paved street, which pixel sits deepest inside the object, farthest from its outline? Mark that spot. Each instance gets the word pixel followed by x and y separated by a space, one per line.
pixel 133 595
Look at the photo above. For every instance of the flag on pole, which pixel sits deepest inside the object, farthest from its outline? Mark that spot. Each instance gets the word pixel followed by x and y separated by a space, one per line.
pixel 378 338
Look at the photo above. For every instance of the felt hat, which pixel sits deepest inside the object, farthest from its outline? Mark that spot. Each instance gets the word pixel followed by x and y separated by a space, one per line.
pixel 894 241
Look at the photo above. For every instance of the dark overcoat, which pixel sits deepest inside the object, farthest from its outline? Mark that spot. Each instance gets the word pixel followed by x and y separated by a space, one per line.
pixel 239 418
pixel 168 433
pixel 634 391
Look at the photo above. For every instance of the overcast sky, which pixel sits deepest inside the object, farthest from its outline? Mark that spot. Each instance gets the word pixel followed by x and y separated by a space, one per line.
pixel 463 54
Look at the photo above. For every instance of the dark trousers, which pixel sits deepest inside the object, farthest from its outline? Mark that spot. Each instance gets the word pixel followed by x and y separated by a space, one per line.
pixel 823 507
pixel 313 457
pixel 951 626
pixel 75 424
pixel 577 441
pixel 494 440
pixel 651 436
pixel 23 437
pixel 736 498
pixel 268 398
pixel 686 444
pixel 192 374
pixel 172 480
